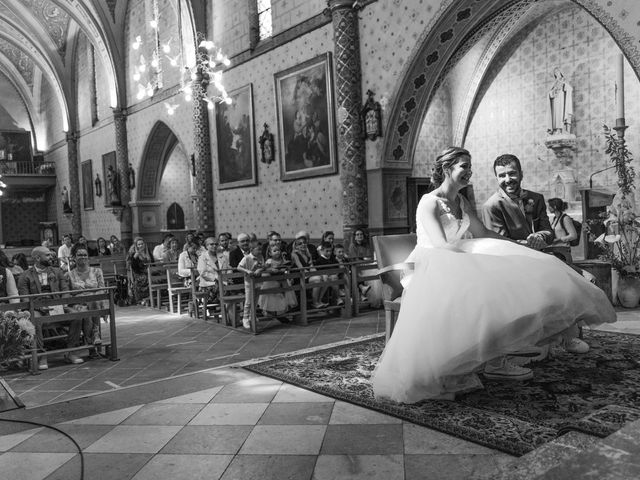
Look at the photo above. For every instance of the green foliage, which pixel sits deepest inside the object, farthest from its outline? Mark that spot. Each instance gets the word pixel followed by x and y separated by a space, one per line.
pixel 16 334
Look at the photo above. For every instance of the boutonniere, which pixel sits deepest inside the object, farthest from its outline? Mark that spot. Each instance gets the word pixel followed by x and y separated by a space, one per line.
pixel 528 204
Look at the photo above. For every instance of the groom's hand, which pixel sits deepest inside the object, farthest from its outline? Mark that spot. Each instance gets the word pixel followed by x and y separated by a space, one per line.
pixel 536 241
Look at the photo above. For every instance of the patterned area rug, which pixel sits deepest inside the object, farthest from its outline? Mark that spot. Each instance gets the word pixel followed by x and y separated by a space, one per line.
pixel 595 393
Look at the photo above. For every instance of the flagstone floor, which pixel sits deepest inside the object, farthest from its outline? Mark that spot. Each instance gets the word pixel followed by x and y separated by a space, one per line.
pixel 177 406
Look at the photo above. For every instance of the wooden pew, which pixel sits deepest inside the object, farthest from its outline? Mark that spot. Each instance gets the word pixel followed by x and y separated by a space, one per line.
pixel 357 274
pixel 74 297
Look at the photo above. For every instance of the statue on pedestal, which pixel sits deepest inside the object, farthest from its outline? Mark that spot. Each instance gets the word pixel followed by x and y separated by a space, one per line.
pixel 113 185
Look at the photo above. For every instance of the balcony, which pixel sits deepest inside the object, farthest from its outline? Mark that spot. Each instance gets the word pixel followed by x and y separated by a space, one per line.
pixel 36 175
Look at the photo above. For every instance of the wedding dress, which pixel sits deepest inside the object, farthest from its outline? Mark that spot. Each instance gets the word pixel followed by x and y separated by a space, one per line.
pixel 460 310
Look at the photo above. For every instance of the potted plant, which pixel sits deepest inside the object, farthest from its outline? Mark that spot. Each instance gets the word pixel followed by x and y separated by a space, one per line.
pixel 621 237
pixel 16 336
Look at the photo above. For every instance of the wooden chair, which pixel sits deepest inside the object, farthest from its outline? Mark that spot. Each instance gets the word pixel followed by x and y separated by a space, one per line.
pixel 391 253
pixel 175 287
pixel 358 275
pixel 231 292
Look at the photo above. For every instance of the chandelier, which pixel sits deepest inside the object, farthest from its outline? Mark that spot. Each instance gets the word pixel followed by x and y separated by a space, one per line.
pixel 205 69
pixel 2 186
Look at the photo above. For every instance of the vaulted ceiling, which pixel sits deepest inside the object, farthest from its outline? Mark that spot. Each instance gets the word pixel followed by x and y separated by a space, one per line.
pixel 37 43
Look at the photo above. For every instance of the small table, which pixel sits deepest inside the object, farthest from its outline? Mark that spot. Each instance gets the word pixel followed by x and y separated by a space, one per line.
pixel 602 271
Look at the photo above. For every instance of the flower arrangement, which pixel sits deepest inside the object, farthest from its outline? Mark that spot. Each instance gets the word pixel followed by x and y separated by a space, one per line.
pixel 621 237
pixel 16 335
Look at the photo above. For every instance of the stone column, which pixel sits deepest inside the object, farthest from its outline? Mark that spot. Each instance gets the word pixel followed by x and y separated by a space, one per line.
pixel 351 153
pixel 122 161
pixel 203 195
pixel 74 184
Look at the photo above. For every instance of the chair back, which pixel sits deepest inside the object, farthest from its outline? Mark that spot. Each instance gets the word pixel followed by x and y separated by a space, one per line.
pixel 393 250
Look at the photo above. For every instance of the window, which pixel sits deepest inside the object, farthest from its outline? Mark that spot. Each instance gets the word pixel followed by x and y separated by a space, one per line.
pixel 264 19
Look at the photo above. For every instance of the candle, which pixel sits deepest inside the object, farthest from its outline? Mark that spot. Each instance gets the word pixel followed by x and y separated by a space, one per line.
pixel 620 86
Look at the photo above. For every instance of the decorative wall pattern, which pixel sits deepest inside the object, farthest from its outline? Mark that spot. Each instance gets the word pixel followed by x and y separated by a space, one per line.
pixel 54 19
pixel 511 116
pixel 20 60
pixel 435 134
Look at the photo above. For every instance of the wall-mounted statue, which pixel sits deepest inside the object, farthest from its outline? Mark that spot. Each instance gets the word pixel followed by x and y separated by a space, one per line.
pixel 66 204
pixel 560 105
pixel 113 185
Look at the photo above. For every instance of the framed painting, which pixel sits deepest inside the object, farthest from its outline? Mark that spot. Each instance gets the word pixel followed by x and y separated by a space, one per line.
pixel 306 126
pixel 236 140
pixel 110 176
pixel 15 146
pixel 87 185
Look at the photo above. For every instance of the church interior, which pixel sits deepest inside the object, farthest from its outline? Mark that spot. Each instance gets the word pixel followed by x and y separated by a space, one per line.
pixel 153 117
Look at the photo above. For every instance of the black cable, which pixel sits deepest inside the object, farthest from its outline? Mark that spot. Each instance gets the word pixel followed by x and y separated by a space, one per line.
pixel 57 430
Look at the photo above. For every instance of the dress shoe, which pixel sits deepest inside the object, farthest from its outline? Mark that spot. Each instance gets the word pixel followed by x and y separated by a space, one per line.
pixel 73 359
pixel 503 369
pixel 42 364
pixel 575 345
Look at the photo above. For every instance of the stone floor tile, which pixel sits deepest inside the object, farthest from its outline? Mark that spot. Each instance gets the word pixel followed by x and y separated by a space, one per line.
pixel 422 440
pixel 184 467
pixel 49 440
pixel 284 440
pixel 103 466
pixel 230 414
pixel 208 439
pixel 290 393
pixel 297 414
pixel 134 439
pixel 114 417
pixel 7 442
pixel 254 390
pixel 359 467
pixel 31 466
pixel 452 467
pixel 270 467
pixel 203 396
pixel 347 413
pixel 363 440
pixel 164 414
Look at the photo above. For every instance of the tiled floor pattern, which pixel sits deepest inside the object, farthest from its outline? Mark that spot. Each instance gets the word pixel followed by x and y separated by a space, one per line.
pixel 254 428
pixel 232 424
pixel 153 345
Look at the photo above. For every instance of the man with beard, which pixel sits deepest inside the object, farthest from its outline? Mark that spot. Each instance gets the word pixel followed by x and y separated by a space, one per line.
pixel 42 277
pixel 521 215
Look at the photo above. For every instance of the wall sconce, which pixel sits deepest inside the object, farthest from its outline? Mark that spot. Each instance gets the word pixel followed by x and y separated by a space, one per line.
pixel 371 118
pixel 98 184
pixel 132 177
pixel 266 146
pixel 193 165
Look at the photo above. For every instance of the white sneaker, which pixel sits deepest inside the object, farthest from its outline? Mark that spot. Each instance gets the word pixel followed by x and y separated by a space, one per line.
pixel 503 369
pixel 575 345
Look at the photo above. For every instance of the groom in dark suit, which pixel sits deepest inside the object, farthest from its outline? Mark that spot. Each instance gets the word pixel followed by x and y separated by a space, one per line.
pixel 42 277
pixel 521 215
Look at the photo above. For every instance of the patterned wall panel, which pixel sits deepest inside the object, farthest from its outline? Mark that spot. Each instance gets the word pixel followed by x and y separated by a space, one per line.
pixel 54 19
pixel 435 134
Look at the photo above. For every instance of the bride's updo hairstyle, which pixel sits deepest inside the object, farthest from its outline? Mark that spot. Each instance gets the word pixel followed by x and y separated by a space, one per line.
pixel 445 161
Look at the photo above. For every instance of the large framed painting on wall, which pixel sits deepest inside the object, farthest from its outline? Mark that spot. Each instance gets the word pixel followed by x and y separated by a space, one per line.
pixel 236 140
pixel 87 185
pixel 306 127
pixel 15 146
pixel 110 176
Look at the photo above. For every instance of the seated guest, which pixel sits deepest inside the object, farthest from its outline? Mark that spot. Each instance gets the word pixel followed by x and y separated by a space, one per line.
pixel 161 251
pixel 103 249
pixel 243 249
pixel 275 239
pixel 327 260
pixel 188 238
pixel 83 241
pixel 360 248
pixel 301 258
pixel 44 278
pixel 8 286
pixel 85 277
pixel 310 246
pixel 138 260
pixel 223 251
pixel 20 263
pixel 208 270
pixel 186 261
pixel 64 252
pixel 174 251
pixel 116 246
pixel 328 237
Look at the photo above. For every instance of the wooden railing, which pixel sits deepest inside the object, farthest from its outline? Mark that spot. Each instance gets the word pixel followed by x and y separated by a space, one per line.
pixel 10 167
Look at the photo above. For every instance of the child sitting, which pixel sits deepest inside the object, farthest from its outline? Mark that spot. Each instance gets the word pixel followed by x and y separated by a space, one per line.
pixel 342 259
pixel 251 265
pixel 327 260
pixel 276 304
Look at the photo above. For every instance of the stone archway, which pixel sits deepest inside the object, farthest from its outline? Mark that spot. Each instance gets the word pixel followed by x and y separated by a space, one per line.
pixel 437 52
pixel 157 150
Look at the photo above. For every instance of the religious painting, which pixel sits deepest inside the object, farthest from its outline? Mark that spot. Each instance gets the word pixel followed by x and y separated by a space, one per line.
pixel 236 140
pixel 15 149
pixel 112 184
pixel 87 185
pixel 306 127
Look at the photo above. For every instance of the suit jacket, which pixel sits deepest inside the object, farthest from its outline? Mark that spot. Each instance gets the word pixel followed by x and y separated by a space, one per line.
pixel 29 281
pixel 235 256
pixel 503 215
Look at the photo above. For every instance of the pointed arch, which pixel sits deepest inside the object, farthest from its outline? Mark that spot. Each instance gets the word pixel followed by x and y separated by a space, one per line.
pixel 157 151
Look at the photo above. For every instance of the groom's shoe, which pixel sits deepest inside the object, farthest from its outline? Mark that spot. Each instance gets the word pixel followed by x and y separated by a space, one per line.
pixel 503 369
pixel 575 345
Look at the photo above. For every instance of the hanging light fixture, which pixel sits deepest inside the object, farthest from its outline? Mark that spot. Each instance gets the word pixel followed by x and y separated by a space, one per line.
pixel 206 69
pixel 2 186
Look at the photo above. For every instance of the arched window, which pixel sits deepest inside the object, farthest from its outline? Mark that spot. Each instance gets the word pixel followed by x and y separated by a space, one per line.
pixel 175 217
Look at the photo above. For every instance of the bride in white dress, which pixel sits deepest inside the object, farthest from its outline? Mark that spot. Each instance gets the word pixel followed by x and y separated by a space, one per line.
pixel 474 297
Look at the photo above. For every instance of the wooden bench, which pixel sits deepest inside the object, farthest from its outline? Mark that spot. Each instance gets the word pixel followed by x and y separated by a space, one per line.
pixel 231 294
pixel 306 286
pixel 157 279
pixel 391 253
pixel 287 284
pixel 357 270
pixel 36 302
pixel 176 288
